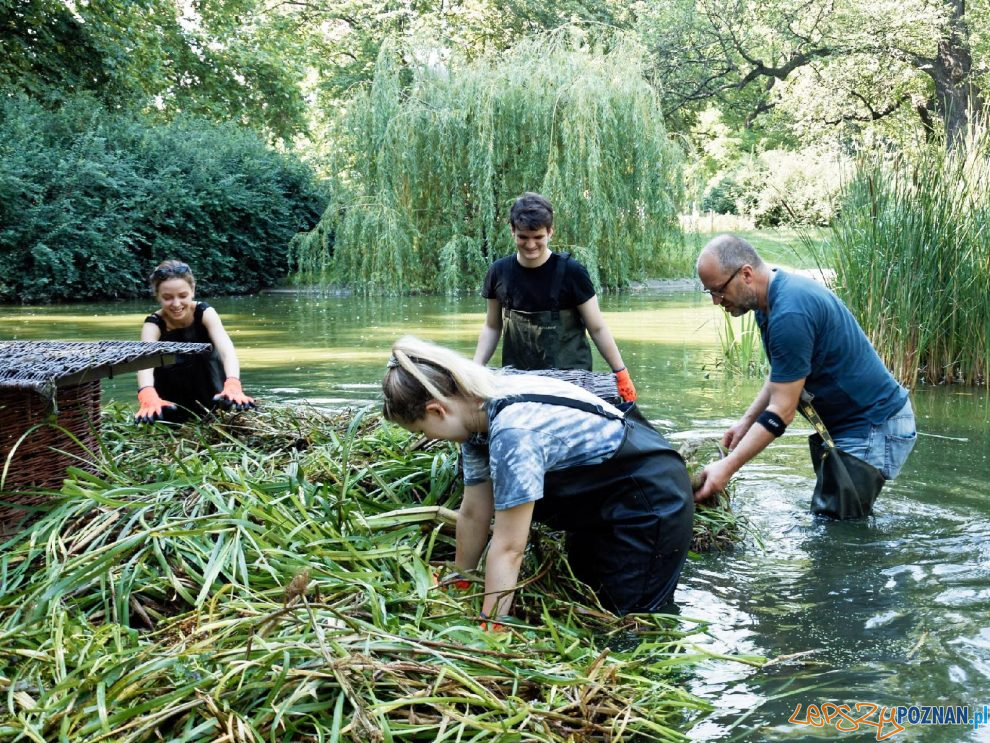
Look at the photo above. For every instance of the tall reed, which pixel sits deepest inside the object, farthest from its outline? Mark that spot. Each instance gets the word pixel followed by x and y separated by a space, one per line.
pixel 741 346
pixel 912 259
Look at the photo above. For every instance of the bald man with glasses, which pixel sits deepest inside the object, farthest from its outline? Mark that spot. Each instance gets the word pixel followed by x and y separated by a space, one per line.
pixel 816 347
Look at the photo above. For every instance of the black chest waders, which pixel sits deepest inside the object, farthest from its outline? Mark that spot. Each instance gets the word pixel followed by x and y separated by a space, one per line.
pixel 628 520
pixel 192 381
pixel 845 486
pixel 549 339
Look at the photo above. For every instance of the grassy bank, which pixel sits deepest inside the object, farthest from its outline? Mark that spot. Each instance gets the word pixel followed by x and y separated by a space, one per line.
pixel 788 247
pixel 270 577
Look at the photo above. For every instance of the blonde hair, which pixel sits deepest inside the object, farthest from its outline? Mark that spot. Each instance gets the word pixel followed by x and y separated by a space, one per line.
pixel 420 371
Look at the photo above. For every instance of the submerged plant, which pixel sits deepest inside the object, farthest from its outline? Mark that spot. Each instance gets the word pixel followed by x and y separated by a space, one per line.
pixel 716 527
pixel 270 576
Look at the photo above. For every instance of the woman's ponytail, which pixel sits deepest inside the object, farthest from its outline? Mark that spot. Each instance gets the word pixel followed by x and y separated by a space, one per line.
pixel 420 371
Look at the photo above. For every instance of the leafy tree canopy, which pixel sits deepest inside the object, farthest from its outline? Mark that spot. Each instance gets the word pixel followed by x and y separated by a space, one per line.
pixel 347 35
pixel 826 62
pixel 230 60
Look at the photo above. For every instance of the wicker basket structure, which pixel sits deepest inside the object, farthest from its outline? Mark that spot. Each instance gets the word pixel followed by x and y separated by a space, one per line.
pixel 37 445
pixel 50 409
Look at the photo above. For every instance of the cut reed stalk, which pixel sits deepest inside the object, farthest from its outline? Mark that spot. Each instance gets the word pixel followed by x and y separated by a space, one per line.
pixel 254 579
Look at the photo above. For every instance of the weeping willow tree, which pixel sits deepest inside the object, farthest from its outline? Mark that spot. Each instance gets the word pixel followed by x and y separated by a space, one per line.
pixel 432 155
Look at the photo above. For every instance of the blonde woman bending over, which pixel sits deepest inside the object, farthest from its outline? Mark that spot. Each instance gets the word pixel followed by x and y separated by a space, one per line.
pixel 542 449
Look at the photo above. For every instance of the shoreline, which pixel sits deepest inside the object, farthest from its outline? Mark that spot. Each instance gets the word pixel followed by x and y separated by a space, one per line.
pixel 647 285
pixel 652 286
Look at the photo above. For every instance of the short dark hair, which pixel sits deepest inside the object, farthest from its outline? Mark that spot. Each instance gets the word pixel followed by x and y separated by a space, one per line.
pixel 530 212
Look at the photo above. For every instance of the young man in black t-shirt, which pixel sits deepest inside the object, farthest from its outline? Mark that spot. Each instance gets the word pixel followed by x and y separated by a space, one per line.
pixel 540 303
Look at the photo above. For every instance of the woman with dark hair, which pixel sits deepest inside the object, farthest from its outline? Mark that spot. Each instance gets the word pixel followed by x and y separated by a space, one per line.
pixel 193 385
pixel 536 448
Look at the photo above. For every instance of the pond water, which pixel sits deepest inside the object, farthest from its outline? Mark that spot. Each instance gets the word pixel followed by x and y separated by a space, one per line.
pixel 894 611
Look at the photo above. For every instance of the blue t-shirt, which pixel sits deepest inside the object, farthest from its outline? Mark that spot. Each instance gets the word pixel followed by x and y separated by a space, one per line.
pixel 809 333
pixel 528 439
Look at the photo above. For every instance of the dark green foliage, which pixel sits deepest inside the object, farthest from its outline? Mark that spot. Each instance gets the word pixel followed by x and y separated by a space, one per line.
pixel 721 197
pixel 91 201
pixel 47 53
pixel 227 60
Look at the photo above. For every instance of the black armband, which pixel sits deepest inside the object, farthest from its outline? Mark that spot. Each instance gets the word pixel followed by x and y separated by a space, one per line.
pixel 772 422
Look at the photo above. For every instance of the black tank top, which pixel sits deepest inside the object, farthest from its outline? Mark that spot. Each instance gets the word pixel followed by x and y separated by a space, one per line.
pixel 192 381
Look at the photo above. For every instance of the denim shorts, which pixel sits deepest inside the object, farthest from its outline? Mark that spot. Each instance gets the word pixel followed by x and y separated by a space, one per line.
pixel 888 444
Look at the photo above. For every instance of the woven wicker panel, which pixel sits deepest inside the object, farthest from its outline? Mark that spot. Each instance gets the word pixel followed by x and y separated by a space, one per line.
pixel 42 366
pixel 40 459
pixel 602 384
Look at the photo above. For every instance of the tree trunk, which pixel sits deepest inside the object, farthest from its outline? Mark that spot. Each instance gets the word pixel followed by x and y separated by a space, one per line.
pixel 958 100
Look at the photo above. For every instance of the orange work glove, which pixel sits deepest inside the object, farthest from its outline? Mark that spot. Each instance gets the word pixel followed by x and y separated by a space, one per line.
pixel 494 626
pixel 233 396
pixel 445 580
pixel 626 389
pixel 151 405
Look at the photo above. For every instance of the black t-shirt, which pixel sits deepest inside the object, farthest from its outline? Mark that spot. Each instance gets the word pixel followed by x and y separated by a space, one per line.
pixel 528 289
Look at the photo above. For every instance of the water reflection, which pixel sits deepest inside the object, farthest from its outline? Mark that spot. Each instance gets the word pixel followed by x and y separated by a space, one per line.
pixel 892 611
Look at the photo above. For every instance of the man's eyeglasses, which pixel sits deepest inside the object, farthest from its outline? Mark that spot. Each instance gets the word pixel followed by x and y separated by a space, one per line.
pixel 179 269
pixel 720 290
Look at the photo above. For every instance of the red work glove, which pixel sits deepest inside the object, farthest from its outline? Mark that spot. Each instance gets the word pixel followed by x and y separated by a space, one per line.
pixel 626 389
pixel 233 396
pixel 445 580
pixel 151 405
pixel 488 625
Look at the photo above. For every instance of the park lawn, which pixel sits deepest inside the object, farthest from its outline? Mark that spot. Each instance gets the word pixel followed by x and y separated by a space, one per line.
pixel 787 247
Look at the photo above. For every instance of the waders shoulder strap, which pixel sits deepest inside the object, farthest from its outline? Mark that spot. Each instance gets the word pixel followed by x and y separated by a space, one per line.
pixel 566 402
pixel 558 281
pixel 809 412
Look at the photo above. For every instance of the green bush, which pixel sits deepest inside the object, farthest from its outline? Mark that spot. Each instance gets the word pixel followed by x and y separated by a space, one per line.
pixel 91 200
pixel 721 197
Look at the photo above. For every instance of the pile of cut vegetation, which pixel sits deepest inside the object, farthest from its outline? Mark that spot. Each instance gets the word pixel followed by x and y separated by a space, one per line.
pixel 270 576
